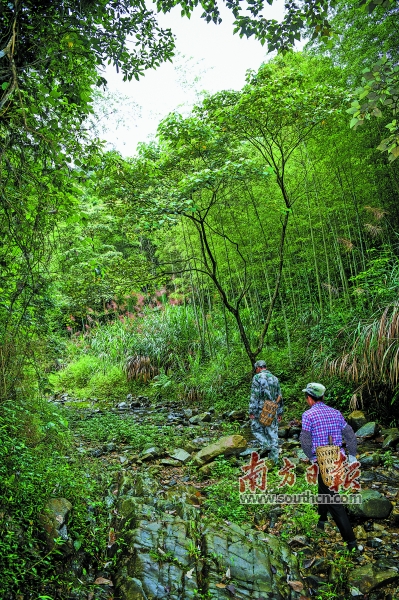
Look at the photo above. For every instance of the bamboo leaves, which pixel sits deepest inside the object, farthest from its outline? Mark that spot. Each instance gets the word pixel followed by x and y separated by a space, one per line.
pixel 379 92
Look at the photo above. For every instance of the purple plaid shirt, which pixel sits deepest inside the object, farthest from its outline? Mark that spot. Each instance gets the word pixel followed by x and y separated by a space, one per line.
pixel 321 421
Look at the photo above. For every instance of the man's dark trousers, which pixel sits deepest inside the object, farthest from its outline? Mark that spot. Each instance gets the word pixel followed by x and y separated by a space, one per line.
pixel 338 513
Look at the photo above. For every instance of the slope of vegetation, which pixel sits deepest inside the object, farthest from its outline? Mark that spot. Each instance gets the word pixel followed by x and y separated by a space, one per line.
pixel 264 224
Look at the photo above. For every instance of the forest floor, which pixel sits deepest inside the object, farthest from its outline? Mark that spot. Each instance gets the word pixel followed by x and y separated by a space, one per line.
pixel 141 436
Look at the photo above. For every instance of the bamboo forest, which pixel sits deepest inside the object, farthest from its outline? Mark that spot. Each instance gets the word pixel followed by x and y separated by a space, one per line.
pixel 153 305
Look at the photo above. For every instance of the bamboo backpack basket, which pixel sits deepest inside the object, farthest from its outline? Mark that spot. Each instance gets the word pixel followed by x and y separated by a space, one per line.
pixel 268 413
pixel 326 459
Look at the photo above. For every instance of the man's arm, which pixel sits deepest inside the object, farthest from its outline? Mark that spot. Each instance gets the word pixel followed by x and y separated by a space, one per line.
pixel 306 436
pixel 306 443
pixel 348 435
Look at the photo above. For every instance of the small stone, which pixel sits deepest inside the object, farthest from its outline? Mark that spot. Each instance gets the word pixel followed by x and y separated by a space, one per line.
pixel 370 460
pixel 394 516
pixel 96 452
pixel 206 470
pixel 359 532
pixel 169 462
pixel 355 592
pixel 150 453
pixel 248 452
pixel 375 542
pixel 299 540
pixel 190 447
pixel 180 455
pixel 188 413
pixel 195 420
pixel 237 415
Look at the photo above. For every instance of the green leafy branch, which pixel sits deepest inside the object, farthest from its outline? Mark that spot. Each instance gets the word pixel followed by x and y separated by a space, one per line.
pixel 379 94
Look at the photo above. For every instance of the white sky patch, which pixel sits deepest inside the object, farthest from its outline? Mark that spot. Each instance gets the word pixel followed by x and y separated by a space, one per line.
pixel 208 58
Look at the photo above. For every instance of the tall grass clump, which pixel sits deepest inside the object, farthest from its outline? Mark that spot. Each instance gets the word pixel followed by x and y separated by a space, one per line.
pixel 371 358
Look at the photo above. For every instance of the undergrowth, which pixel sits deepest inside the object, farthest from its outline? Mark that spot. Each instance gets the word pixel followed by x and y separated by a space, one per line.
pixel 37 463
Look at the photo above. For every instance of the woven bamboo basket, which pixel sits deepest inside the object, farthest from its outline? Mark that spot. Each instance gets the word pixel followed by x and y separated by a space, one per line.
pixel 268 413
pixel 326 459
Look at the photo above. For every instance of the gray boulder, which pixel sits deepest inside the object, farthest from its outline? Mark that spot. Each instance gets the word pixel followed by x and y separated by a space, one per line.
pixel 54 522
pixel 177 558
pixel 391 438
pixel 374 505
pixel 368 577
pixel 357 419
pixel 368 430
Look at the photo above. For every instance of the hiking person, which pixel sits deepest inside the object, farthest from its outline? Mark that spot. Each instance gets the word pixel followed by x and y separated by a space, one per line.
pixel 323 426
pixel 265 386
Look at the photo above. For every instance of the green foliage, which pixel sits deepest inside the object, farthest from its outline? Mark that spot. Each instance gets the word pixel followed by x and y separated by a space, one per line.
pixel 33 467
pixel 223 500
pixel 379 91
pixel 251 19
pixel 91 377
pixel 124 429
pixel 77 374
pixel 388 459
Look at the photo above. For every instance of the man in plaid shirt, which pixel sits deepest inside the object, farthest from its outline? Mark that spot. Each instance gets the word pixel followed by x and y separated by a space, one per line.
pixel 320 424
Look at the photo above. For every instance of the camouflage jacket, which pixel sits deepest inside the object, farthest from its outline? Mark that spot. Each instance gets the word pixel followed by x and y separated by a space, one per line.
pixel 265 386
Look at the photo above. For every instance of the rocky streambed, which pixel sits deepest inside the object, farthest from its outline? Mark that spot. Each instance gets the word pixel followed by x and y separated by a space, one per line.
pixel 163 542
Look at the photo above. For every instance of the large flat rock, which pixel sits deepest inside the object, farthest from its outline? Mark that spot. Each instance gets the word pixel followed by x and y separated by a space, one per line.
pixel 225 446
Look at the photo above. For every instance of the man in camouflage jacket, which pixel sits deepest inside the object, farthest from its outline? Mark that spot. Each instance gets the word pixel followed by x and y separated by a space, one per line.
pixel 265 386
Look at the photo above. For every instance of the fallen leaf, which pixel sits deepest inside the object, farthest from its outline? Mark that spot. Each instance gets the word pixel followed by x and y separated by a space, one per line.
pixel 220 585
pixel 230 588
pixel 189 573
pixel 297 586
pixel 111 538
pixel 102 581
pixel 273 569
pixel 228 575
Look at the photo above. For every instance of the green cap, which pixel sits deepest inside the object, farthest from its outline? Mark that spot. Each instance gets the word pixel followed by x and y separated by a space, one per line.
pixel 317 390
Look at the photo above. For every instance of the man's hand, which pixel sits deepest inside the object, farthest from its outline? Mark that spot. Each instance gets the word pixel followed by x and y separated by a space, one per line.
pixel 251 416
